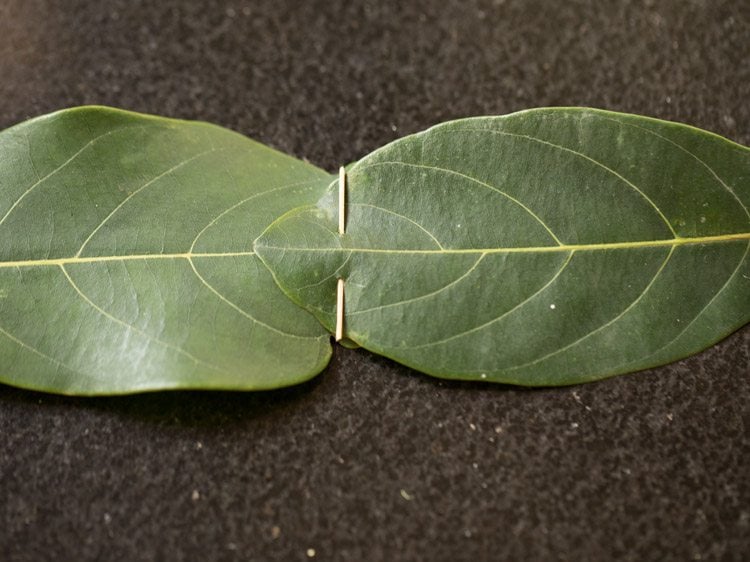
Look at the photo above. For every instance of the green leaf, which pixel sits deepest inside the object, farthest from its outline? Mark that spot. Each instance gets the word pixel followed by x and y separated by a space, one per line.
pixel 547 247
pixel 127 262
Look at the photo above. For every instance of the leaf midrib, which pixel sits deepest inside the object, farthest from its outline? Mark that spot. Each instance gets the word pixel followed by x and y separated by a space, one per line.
pixel 133 257
pixel 667 243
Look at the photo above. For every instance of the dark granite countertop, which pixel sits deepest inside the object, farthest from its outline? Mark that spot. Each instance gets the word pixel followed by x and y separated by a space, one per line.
pixel 372 461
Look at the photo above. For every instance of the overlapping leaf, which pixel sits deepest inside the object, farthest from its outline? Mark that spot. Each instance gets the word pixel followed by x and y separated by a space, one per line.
pixel 546 247
pixel 126 258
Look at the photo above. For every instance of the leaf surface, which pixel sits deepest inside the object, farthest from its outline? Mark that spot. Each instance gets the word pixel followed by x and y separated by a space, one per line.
pixel 547 247
pixel 126 257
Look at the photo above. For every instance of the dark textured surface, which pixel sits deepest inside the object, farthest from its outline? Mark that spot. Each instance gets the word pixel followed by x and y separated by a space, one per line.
pixel 371 461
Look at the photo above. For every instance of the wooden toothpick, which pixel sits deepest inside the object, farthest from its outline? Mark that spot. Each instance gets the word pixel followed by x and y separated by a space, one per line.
pixel 342 227
pixel 340 310
pixel 342 199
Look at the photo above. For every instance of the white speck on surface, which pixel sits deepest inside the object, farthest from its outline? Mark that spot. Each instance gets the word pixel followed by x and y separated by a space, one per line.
pixel 275 532
pixel 311 553
pixel 472 427
pixel 475 465
pixel 483 376
pixel 703 219
pixel 552 306
pixel 107 519
pixel 670 417
pixel 195 496
pixel 467 533
pixel 574 425
pixel 458 226
pixel 198 445
pixel 406 495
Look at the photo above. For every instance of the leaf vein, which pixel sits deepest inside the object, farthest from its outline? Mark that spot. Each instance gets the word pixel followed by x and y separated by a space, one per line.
pixel 503 315
pixel 698 315
pixel 695 156
pixel 141 188
pixel 425 296
pixel 326 278
pixel 237 308
pixel 603 326
pixel 41 354
pixel 244 201
pixel 63 165
pixel 128 326
pixel 475 180
pixel 415 223
pixel 586 157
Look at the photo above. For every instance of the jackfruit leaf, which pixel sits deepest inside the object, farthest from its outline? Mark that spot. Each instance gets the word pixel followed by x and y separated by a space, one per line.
pixel 546 247
pixel 127 262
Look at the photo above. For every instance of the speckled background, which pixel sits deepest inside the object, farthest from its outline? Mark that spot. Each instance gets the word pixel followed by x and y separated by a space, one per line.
pixel 372 461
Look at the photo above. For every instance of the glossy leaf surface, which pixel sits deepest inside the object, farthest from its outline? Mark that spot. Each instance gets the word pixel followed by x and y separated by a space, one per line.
pixel 551 246
pixel 126 258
